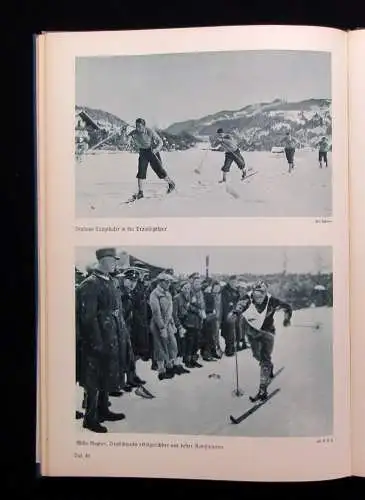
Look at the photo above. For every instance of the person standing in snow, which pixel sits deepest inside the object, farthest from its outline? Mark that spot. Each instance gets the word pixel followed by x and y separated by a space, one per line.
pixel 149 145
pixel 290 143
pixel 323 148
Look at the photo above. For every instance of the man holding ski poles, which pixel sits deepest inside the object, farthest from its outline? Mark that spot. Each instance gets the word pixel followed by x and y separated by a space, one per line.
pixel 229 144
pixel 259 311
pixel 323 148
pixel 290 143
pixel 149 144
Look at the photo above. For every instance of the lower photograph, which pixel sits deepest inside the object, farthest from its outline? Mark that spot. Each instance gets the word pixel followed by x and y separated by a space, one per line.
pixel 224 341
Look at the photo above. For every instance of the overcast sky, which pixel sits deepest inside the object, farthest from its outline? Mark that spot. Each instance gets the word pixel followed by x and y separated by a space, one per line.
pixel 174 87
pixel 232 260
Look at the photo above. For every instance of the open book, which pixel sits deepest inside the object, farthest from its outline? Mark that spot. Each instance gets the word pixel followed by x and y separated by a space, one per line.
pixel 201 197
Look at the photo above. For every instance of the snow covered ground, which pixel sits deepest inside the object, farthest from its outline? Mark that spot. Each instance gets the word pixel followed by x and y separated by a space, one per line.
pixel 105 180
pixel 195 404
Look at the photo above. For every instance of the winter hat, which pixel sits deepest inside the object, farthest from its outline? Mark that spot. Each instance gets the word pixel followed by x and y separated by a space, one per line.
pixel 260 286
pixel 166 277
pixel 131 274
pixel 106 252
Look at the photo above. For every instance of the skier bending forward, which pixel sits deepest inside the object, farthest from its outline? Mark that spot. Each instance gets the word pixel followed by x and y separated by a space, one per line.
pixel 232 153
pixel 259 311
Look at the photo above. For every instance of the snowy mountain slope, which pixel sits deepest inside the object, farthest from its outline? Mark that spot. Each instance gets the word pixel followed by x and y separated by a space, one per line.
pixel 262 126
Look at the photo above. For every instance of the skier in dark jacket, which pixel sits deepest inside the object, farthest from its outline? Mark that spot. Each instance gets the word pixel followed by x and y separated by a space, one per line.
pixel 259 310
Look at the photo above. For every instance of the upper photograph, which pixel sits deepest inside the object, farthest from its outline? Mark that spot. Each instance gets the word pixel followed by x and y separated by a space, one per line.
pixel 209 134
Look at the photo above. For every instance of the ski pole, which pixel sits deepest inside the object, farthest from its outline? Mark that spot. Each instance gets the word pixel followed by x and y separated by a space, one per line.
pixel 238 392
pixel 198 170
pixel 316 326
pixel 102 141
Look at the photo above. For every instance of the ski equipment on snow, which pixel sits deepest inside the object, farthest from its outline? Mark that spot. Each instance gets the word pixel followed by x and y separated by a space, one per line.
pixel 253 409
pixel 143 392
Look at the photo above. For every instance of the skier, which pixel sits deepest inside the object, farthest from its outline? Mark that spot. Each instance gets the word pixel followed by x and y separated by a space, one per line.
pixel 322 152
pixel 229 144
pixel 149 144
pixel 259 310
pixel 289 143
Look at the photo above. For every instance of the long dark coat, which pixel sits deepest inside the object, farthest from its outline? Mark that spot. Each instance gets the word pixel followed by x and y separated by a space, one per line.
pixel 230 297
pixel 123 298
pixel 99 356
pixel 140 334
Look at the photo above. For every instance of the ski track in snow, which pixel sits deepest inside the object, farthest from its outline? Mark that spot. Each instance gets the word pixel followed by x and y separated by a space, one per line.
pixel 195 404
pixel 105 180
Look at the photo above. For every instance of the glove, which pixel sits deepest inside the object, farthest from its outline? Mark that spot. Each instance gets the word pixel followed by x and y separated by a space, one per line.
pixel 286 322
pixel 163 333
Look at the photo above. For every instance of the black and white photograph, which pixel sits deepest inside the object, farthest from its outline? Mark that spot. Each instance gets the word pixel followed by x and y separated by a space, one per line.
pixel 204 134
pixel 224 341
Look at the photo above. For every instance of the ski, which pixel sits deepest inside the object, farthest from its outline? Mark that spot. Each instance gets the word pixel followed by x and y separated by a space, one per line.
pixel 249 175
pixel 131 200
pixel 144 393
pixel 253 408
pixel 134 200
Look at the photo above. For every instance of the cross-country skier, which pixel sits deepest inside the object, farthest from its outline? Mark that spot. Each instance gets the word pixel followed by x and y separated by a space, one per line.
pixel 258 311
pixel 289 143
pixel 149 144
pixel 229 144
pixel 323 148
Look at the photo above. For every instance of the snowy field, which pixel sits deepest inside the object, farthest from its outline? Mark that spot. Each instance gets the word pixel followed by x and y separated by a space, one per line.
pixel 196 404
pixel 104 181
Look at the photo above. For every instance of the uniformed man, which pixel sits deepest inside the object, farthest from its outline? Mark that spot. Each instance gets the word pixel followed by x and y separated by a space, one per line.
pixel 99 365
pixel 128 282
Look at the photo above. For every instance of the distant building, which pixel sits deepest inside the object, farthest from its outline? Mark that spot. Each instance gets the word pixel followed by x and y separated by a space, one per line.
pixel 87 131
pixel 84 121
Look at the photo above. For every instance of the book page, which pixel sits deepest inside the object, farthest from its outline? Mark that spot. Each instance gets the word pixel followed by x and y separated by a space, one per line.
pixel 197 222
pixel 357 193
pixel 41 262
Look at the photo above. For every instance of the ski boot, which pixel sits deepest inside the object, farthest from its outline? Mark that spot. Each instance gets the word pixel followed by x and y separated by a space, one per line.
pixel 260 396
pixel 137 196
pixel 137 380
pixel 171 187
pixel 224 178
